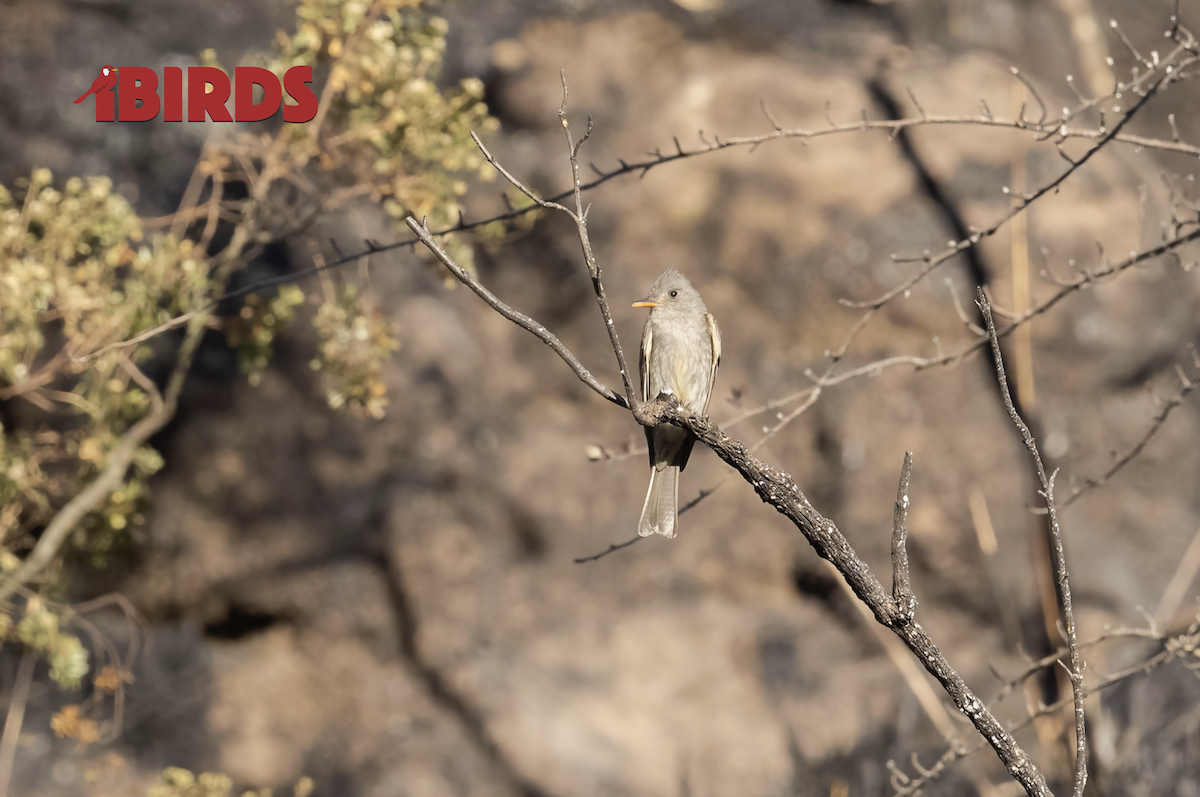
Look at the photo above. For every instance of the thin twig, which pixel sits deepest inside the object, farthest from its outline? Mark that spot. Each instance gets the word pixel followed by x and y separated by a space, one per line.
pixel 616 546
pixel 1054 658
pixel 143 381
pixel 767 113
pixel 1032 90
pixel 642 167
pixel 43 376
pixel 520 319
pixel 1062 581
pixel 1112 23
pixel 902 593
pixel 932 262
pixel 593 266
pixel 1085 279
pixel 579 216
pixel 1159 420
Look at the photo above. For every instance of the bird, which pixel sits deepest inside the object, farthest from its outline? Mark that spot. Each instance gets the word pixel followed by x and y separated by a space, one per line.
pixel 681 349
pixel 106 80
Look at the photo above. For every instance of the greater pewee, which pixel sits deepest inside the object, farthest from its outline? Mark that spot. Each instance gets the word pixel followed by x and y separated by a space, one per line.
pixel 681 349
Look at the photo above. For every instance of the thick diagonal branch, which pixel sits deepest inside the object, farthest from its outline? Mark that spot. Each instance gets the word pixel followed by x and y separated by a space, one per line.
pixel 779 490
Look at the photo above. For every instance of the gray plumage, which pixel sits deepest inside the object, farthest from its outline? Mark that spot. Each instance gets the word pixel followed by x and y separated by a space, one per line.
pixel 681 349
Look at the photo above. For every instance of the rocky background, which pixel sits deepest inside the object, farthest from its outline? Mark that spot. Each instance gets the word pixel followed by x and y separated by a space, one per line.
pixel 392 607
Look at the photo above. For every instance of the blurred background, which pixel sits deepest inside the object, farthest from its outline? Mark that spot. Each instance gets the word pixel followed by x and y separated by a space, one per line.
pixel 390 605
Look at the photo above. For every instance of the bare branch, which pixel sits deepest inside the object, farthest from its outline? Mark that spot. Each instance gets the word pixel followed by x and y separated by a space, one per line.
pixel 1087 278
pixel 616 546
pixel 1159 420
pixel 766 112
pixel 829 379
pixel 1075 89
pixel 1172 647
pixel 690 505
pixel 1102 134
pixel 537 200
pixel 1028 85
pixel 960 310
pixel 1062 582
pixel 579 216
pixel 915 103
pixel 1049 661
pixel 585 242
pixel 902 594
pixel 1112 23
pixel 779 490
pixel 956 247
pixel 520 319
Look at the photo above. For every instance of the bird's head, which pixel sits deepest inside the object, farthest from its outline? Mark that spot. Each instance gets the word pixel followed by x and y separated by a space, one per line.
pixel 671 293
pixel 108 69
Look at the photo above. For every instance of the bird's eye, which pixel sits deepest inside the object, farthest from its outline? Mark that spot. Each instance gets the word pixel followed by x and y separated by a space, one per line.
pixel 674 294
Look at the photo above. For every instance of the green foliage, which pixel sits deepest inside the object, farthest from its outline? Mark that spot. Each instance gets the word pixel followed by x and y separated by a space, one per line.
pixel 354 343
pixel 41 630
pixel 72 282
pixel 383 122
pixel 178 782
pixel 259 321
pixel 385 119
pixel 86 292
pixel 78 273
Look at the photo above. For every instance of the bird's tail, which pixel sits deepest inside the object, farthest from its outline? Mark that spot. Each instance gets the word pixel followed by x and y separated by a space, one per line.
pixel 659 513
pixel 84 97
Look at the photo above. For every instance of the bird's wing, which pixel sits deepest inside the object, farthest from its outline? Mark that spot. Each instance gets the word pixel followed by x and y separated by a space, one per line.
pixel 714 334
pixel 644 360
pixel 644 369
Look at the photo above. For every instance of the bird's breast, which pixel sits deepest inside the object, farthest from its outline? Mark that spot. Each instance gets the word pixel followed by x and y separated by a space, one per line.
pixel 681 364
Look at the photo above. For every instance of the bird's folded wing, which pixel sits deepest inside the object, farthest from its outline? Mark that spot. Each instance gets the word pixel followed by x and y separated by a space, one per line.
pixel 714 334
pixel 644 360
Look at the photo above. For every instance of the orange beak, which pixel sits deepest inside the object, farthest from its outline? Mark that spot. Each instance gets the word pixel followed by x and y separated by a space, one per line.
pixel 645 303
